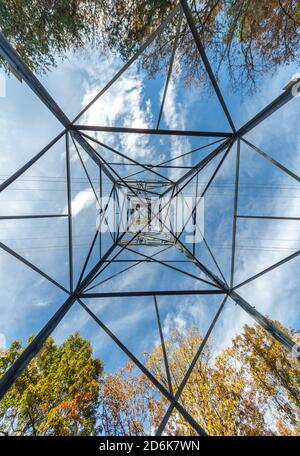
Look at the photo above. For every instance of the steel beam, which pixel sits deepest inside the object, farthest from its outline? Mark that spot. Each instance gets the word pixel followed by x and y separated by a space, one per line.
pixel 163 263
pixel 139 52
pixel 149 261
pixel 275 332
pixel 86 172
pixel 70 224
pixel 170 69
pixel 100 204
pixel 191 22
pixel 31 162
pixel 202 163
pixel 98 233
pixel 272 160
pixel 31 266
pixel 266 112
pixel 126 157
pixel 266 217
pixel 25 217
pixel 190 369
pixel 269 269
pixel 93 273
pixel 147 373
pixel 153 131
pixel 33 348
pixel 92 154
pixel 13 58
pixel 251 124
pixel 236 194
pixel 125 294
pixel 199 169
pixel 135 263
pixel 162 341
pixel 179 156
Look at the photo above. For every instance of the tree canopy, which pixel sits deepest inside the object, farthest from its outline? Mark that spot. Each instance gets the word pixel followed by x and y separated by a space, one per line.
pixel 43 32
pixel 251 387
pixel 58 392
pixel 245 38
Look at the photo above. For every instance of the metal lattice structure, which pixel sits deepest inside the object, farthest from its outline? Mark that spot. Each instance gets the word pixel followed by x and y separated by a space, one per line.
pixel 159 185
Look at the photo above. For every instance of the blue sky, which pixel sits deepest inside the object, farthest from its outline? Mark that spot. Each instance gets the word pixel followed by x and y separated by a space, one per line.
pixel 28 301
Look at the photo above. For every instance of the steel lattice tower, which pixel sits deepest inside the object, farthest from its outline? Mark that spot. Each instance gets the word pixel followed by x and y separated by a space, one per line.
pixel 158 185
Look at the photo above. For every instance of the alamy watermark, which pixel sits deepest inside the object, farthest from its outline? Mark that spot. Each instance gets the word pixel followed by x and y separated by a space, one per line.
pixel 134 214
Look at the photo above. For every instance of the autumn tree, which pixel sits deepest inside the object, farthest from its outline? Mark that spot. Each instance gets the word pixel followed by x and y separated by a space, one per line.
pixel 127 404
pixel 247 38
pixel 58 392
pixel 218 394
pixel 275 373
pixel 249 388
pixel 232 393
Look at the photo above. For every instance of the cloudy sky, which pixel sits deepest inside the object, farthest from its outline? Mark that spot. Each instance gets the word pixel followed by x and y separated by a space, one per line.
pixel 29 300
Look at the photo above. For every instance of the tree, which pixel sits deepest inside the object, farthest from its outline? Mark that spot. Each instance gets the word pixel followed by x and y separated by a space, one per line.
pixel 247 38
pixel 127 404
pixel 218 394
pixel 44 31
pixel 249 388
pixel 58 392
pixel 275 373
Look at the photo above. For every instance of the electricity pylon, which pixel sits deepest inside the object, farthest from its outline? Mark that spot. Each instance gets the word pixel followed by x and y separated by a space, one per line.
pixel 151 228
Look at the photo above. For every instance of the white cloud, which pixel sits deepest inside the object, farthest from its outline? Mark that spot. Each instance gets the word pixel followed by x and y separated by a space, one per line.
pixel 175 118
pixel 81 201
pixel 43 302
pixel 122 105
